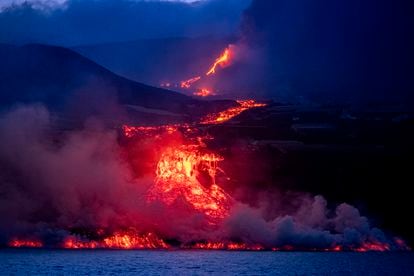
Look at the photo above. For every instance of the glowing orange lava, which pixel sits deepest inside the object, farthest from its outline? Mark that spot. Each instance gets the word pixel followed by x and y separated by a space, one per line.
pixel 225 246
pixel 221 117
pixel 177 177
pixel 203 92
pixel 25 243
pixel 118 240
pixel 373 246
pixel 179 168
pixel 179 171
pixel 131 131
pixel 187 83
pixel 223 60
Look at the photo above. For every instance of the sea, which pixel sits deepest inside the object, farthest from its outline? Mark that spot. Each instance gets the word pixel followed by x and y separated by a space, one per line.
pixel 199 262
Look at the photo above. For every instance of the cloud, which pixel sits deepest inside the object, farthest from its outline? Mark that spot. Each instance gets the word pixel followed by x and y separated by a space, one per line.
pixel 36 4
pixel 72 22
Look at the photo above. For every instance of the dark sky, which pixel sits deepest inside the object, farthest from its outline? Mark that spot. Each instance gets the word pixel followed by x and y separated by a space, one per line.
pixel 73 22
pixel 342 50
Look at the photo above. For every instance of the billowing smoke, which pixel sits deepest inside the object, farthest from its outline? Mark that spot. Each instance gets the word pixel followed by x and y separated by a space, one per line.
pixel 311 226
pixel 86 182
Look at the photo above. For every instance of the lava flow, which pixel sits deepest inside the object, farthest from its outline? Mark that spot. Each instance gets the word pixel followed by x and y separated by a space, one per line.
pixel 226 246
pixel 180 167
pixel 223 60
pixel 203 92
pixel 25 243
pixel 187 83
pixel 178 171
pixel 223 116
pixel 119 240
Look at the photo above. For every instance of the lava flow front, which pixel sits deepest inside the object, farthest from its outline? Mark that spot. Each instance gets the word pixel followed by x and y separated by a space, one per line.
pixel 119 240
pixel 178 171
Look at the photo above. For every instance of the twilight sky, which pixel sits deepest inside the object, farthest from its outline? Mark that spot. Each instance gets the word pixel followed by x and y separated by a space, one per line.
pixel 74 22
pixel 40 4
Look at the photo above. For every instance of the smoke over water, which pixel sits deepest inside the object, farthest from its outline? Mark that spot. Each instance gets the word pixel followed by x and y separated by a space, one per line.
pixel 159 187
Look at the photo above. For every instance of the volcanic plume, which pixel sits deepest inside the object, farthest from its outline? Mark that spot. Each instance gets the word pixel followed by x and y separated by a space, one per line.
pixel 151 187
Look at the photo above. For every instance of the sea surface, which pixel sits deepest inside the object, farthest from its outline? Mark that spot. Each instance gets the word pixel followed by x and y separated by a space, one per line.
pixel 194 262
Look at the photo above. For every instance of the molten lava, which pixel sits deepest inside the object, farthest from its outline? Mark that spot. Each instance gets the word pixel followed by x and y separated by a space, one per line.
pixel 223 116
pixel 25 243
pixel 223 60
pixel 151 131
pixel 225 246
pixel 203 92
pixel 180 168
pixel 373 246
pixel 188 83
pixel 119 240
pixel 177 176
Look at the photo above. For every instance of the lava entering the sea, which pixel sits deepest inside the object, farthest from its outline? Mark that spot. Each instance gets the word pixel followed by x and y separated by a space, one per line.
pixel 119 240
pixel 34 243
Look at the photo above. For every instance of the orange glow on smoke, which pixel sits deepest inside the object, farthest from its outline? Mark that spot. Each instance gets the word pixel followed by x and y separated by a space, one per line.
pixel 177 176
pixel 25 243
pixel 187 83
pixel 203 92
pixel 118 240
pixel 221 117
pixel 373 246
pixel 225 246
pixel 223 60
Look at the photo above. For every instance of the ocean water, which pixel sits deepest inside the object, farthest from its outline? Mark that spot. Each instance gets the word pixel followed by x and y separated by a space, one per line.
pixel 194 262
